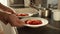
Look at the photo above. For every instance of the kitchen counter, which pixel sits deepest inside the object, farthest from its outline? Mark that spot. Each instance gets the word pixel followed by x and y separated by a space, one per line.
pixel 52 28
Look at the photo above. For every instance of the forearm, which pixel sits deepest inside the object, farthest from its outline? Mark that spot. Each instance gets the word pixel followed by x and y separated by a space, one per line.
pixel 3 17
pixel 6 9
pixel 2 7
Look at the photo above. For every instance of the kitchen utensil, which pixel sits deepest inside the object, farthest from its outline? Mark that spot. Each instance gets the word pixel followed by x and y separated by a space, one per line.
pixel 56 15
pixel 45 13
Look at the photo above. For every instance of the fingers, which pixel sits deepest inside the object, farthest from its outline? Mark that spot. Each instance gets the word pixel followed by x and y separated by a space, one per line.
pixel 21 23
pixel 15 21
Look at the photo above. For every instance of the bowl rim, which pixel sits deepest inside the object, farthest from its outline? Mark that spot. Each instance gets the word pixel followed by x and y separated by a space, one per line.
pixel 42 19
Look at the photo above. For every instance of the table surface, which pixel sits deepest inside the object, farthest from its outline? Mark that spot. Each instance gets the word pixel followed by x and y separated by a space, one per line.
pixel 52 28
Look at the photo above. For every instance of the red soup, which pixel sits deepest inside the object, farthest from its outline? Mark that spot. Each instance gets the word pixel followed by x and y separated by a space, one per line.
pixel 33 22
pixel 22 14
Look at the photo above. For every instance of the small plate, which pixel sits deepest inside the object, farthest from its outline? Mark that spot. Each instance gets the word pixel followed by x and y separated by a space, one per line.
pixel 44 22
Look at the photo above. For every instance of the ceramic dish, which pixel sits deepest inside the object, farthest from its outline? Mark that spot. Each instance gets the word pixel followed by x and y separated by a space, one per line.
pixel 44 22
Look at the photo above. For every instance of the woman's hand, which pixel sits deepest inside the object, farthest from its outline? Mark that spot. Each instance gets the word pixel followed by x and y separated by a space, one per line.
pixel 8 15
pixel 11 18
pixel 15 21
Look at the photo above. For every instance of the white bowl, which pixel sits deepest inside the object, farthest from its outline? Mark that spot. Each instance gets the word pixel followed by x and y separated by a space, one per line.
pixel 44 22
pixel 29 15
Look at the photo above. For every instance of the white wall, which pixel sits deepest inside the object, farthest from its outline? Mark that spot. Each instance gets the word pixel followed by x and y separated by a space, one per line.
pixel 52 1
pixel 58 4
pixel 27 2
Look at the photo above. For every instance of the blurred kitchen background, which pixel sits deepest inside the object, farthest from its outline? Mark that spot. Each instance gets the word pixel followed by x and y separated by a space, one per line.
pixel 28 5
pixel 37 3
